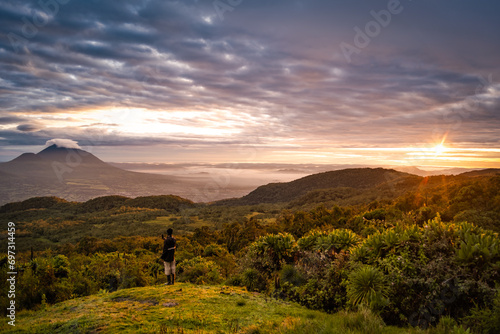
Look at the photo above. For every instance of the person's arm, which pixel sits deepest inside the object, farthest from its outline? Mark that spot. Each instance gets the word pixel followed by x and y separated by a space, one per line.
pixel 163 237
pixel 173 246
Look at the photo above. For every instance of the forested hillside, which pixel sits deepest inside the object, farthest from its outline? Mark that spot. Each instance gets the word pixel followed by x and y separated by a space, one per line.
pixel 426 256
pixel 360 179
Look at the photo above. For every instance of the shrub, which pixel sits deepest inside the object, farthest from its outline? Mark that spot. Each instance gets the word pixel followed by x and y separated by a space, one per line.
pixel 269 253
pixel 448 325
pixel 308 241
pixel 329 243
pixel 323 288
pixel 61 266
pixel 290 274
pixel 221 256
pixel 133 275
pixel 366 285
pixel 199 271
pixel 485 320
pixel 236 280
pixel 254 281
pixel 364 321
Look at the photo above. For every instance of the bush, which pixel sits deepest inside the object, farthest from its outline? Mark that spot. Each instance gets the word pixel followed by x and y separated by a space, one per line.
pixel 61 266
pixel 323 288
pixel 366 285
pixel 332 242
pixel 199 271
pixel 269 253
pixel 254 281
pixel 236 280
pixel 485 320
pixel 290 274
pixel 364 321
pixel 221 256
pixel 448 325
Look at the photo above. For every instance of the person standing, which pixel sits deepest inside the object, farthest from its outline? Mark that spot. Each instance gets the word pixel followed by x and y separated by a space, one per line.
pixel 168 256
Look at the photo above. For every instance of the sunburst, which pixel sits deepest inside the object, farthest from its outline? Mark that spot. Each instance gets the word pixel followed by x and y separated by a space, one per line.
pixel 439 149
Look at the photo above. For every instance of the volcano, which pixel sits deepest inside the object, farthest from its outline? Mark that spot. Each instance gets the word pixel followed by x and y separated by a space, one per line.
pixel 78 175
pixel 58 164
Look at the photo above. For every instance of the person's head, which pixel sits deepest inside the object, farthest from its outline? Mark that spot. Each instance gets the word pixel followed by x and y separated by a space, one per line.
pixel 170 231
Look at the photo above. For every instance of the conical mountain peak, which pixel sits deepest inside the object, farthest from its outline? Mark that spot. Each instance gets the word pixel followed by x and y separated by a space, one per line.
pixel 64 154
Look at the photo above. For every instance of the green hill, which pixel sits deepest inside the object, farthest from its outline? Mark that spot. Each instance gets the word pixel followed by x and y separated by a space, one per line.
pixel 44 222
pixel 359 179
pixel 187 308
pixel 166 202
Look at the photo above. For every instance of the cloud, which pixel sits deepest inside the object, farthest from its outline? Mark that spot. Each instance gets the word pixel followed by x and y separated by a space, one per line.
pixel 11 120
pixel 67 143
pixel 274 68
pixel 28 127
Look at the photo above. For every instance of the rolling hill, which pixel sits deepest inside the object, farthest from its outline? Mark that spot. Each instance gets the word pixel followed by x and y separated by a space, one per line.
pixel 354 181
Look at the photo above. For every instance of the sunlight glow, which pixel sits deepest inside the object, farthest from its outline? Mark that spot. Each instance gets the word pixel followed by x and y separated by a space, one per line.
pixel 194 126
pixel 139 121
pixel 439 149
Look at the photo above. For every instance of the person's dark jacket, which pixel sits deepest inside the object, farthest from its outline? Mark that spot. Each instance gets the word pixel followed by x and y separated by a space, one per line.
pixel 169 246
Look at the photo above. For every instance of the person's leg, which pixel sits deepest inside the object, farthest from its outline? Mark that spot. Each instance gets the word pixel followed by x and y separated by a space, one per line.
pixel 167 271
pixel 172 271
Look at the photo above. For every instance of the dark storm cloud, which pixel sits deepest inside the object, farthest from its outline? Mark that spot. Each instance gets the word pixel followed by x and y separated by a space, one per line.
pixel 279 59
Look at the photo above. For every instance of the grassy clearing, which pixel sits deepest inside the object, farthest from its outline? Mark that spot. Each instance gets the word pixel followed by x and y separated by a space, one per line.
pixel 187 308
pixel 179 223
pixel 164 221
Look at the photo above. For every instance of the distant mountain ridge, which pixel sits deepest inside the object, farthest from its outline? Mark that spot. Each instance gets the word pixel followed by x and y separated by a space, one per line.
pixel 420 172
pixel 77 175
pixel 482 172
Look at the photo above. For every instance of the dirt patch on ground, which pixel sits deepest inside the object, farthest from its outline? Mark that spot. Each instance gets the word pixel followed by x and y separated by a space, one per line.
pixel 151 302
pixel 170 303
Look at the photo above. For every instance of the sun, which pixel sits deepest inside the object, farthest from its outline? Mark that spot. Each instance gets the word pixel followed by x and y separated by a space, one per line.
pixel 439 149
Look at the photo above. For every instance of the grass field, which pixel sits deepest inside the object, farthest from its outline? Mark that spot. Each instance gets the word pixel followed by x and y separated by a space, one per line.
pixel 187 308
pixel 180 224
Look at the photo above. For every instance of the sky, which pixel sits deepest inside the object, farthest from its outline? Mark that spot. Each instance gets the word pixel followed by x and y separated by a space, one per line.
pixel 410 82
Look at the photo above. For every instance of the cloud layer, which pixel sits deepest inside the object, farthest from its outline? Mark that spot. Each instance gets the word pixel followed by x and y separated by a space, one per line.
pixel 265 74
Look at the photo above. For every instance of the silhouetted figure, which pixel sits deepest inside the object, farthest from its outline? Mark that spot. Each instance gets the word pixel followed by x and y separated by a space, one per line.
pixel 168 256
